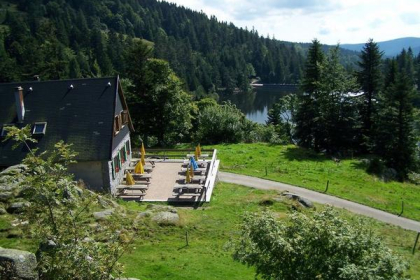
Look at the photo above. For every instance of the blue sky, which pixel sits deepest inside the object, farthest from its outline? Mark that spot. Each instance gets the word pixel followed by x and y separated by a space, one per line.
pixel 331 21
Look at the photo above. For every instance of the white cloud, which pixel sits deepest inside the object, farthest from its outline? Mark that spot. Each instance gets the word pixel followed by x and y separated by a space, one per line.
pixel 331 21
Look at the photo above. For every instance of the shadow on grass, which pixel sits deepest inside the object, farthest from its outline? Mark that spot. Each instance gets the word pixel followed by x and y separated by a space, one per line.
pixel 302 154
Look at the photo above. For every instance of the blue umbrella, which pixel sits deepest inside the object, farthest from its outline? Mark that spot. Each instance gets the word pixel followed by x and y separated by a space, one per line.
pixel 193 163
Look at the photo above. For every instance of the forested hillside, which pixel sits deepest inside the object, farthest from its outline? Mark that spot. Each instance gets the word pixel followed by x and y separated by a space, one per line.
pixel 59 39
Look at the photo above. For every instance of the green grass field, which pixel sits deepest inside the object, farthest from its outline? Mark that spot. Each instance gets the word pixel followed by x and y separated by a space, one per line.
pixel 304 168
pixel 163 254
pixel 160 252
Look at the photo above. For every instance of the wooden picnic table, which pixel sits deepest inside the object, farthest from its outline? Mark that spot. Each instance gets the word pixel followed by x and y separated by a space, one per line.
pixel 188 186
pixel 132 187
pixel 146 167
pixel 140 177
pixel 201 156
pixel 200 179
pixel 196 170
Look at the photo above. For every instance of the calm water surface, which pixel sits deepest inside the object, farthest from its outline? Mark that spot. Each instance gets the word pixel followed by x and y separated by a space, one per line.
pixel 255 105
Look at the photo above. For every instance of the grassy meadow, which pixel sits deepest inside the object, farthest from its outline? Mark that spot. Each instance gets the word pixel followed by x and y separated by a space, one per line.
pixel 304 168
pixel 161 252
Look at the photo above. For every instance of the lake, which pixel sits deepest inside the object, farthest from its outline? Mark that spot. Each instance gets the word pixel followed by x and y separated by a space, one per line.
pixel 255 104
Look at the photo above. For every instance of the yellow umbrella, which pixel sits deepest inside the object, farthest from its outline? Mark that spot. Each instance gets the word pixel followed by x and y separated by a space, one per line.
pixel 196 153
pixel 142 159
pixel 143 154
pixel 199 149
pixel 188 177
pixel 191 172
pixel 129 179
pixel 139 169
pixel 142 150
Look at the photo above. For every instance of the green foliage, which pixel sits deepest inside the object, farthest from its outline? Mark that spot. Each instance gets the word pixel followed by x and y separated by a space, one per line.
pixel 394 139
pixel 325 115
pixel 60 219
pixel 370 79
pixel 322 246
pixel 221 124
pixel 162 107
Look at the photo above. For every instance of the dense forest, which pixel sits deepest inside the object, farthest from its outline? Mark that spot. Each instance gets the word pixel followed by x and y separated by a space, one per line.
pixel 60 39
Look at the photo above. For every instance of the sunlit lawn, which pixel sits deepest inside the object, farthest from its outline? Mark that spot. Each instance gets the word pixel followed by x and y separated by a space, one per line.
pixel 301 167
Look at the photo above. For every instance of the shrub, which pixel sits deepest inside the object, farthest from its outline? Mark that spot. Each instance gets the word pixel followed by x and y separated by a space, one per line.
pixel 322 246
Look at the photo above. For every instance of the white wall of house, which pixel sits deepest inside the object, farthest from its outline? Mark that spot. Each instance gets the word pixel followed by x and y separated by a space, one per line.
pixel 116 177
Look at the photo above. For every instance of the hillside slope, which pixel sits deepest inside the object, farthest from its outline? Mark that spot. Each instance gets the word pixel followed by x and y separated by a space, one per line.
pixel 69 39
pixel 391 47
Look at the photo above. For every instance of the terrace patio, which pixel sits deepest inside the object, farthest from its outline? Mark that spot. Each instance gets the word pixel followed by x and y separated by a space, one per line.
pixel 166 177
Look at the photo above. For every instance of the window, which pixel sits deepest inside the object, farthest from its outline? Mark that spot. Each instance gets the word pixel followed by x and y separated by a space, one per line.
pixel 123 155
pixel 4 131
pixel 124 117
pixel 117 124
pixel 127 147
pixel 39 128
pixel 117 164
pixel 113 170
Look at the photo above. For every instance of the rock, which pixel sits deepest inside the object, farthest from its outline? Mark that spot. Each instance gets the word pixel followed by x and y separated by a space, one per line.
pixel 305 202
pixel 2 211
pixel 19 264
pixel 102 202
pixel 18 207
pixel 145 214
pixel 161 208
pixel 165 218
pixel 7 188
pixel 5 196
pixel 13 170
pixel 103 215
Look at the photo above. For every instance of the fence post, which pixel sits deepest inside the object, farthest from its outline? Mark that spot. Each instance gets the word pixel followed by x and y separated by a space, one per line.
pixel 402 208
pixel 266 173
pixel 328 183
pixel 415 243
pixel 186 238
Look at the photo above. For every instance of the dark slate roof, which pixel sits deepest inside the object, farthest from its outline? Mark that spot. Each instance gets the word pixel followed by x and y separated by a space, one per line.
pixel 82 116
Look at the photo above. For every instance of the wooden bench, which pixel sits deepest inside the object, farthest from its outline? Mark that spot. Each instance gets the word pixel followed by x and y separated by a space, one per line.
pixel 132 187
pixel 200 179
pixel 201 156
pixel 197 170
pixel 186 194
pixel 146 168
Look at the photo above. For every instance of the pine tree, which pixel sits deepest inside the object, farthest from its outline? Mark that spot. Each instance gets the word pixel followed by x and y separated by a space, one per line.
pixel 370 80
pixel 306 119
pixel 394 140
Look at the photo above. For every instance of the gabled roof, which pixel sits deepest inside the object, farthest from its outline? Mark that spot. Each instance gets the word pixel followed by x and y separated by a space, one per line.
pixel 79 111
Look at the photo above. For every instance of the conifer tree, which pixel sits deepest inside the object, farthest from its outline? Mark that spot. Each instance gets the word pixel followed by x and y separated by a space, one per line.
pixel 370 80
pixel 307 114
pixel 394 140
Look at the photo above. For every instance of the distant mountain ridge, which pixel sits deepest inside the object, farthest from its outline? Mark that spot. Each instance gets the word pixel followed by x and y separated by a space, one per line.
pixel 391 47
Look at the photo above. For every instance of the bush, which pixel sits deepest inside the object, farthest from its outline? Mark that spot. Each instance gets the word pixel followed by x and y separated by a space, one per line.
pixel 60 219
pixel 221 124
pixel 375 166
pixel 322 246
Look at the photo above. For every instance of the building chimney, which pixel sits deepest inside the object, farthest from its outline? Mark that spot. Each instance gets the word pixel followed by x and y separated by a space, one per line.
pixel 20 106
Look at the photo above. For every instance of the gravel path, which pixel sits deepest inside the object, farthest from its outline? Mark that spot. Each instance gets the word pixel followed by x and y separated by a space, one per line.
pixel 320 198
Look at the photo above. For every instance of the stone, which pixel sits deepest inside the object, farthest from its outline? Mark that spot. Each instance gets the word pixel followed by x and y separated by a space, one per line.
pixel 18 207
pixel 5 196
pixel 165 218
pixel 103 215
pixel 7 188
pixel 19 264
pixel 2 211
pixel 305 202
pixel 145 214
pixel 161 208
pixel 13 170
pixel 102 202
